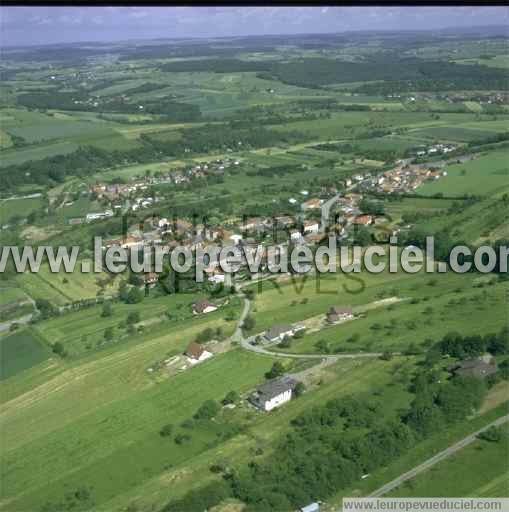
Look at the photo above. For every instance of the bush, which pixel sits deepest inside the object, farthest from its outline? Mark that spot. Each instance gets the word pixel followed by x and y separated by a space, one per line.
pixel 106 311
pixel 134 296
pixel 182 438
pixel 58 349
pixel 232 397
pixel 299 389
pixel 493 435
pixel 166 430
pixel 249 323
pixel 276 371
pixel 133 317
pixel 207 410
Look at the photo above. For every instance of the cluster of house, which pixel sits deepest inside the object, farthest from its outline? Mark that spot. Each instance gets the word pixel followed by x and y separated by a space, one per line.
pixel 404 178
pixel 436 149
pixel 133 195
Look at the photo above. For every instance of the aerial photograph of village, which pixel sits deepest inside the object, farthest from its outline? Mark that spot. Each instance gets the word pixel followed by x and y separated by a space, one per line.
pixel 357 133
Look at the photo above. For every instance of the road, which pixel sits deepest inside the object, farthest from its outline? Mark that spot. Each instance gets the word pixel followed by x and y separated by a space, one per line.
pixel 246 342
pixel 435 459
pixel 22 320
pixel 5 326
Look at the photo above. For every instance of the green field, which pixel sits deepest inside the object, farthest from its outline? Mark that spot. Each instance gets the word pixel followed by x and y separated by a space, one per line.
pixel 397 327
pixel 479 470
pixel 63 288
pixel 36 152
pixel 485 175
pixel 20 351
pixel 18 208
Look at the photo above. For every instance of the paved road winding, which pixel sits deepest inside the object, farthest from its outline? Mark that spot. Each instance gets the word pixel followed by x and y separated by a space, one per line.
pixel 247 344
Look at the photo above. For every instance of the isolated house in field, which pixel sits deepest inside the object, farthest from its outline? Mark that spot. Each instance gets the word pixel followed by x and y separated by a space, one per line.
pixel 480 368
pixel 273 393
pixel 337 313
pixel 196 353
pixel 278 332
pixel 203 306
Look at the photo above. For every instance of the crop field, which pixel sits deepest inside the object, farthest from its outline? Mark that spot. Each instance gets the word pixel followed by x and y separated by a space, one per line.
pixel 482 466
pixel 126 430
pixel 18 207
pixel 5 140
pixel 62 287
pixel 409 323
pixel 459 133
pixel 88 326
pixel 424 207
pixel 297 298
pixel 485 175
pixel 9 294
pixel 343 379
pixel 20 351
pixel 36 152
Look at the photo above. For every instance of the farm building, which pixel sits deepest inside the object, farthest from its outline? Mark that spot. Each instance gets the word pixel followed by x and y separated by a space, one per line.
pixel 479 368
pixel 337 313
pixel 278 332
pixel 273 393
pixel 196 353
pixel 203 306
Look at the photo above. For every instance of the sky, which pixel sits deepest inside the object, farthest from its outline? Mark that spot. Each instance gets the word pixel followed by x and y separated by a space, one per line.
pixel 20 26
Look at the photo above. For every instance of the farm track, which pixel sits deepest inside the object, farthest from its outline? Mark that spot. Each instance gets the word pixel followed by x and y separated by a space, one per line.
pixel 444 454
pixel 246 343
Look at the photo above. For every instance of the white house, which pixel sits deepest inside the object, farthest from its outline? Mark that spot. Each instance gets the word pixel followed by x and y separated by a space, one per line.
pixel 311 226
pixel 273 393
pixel 295 235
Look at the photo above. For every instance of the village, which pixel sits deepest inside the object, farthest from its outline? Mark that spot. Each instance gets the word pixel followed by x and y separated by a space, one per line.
pixel 308 222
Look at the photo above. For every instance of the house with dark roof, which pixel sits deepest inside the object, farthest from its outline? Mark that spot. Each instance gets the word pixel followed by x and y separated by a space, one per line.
pixel 273 393
pixel 480 367
pixel 203 306
pixel 196 353
pixel 278 332
pixel 337 313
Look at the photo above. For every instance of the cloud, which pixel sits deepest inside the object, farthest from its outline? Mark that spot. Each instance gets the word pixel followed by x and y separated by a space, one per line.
pixel 138 14
pixel 42 25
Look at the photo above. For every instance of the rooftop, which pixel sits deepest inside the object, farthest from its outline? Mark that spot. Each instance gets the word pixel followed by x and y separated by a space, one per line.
pixel 272 388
